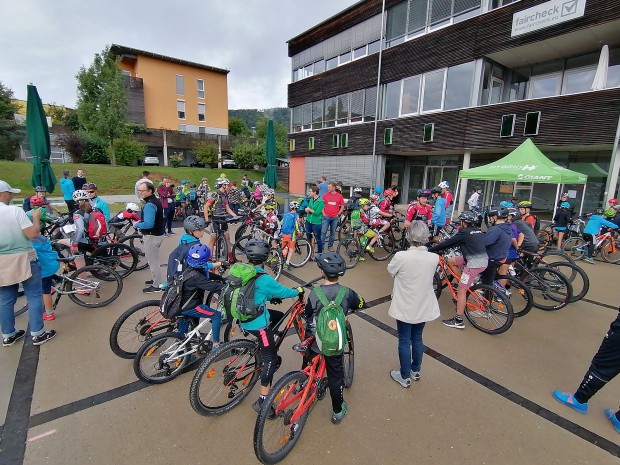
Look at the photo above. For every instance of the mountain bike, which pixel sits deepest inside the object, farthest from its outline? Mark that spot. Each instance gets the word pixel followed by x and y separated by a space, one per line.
pixel 275 261
pixel 220 249
pixel 551 290
pixel 604 243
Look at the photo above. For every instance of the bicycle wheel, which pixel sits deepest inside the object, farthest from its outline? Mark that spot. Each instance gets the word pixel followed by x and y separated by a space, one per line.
pixel 575 247
pixel 437 285
pixel 239 248
pixel 234 331
pixel 488 309
pixel 274 439
pixel 343 230
pixel 159 361
pixel 519 294
pixel 273 264
pixel 301 253
pixel 351 251
pixel 544 238
pixel 349 358
pixel 553 254
pixel 21 304
pixel 137 324
pixel 119 257
pixel 87 288
pixel 384 247
pixel 550 288
pixel 136 242
pixel 577 277
pixel 225 377
pixel 611 250
pixel 221 249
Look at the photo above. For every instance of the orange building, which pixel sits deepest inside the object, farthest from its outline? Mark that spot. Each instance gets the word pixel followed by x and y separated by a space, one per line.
pixel 170 93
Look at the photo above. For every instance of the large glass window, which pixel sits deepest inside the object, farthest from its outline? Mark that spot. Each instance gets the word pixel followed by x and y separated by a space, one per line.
pixel 331 63
pixel 459 86
pixel 345 58
pixel 297 119
pixel 396 24
pixel 411 96
pixel 546 85
pixel 432 88
pixel 180 85
pixel 306 116
pixel 613 72
pixel 330 112
pixel 342 115
pixel 319 66
pixel 441 10
pixel 391 100
pixel 317 114
pixel 578 80
pixel 417 16
pixel 359 52
pixel 357 106
pixel 370 104
pixel 374 47
pixel 519 83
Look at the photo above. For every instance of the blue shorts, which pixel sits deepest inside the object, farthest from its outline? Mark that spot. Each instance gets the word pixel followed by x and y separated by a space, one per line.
pixel 560 228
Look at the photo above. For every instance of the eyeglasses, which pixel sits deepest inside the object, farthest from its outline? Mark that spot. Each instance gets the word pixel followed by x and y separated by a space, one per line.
pixel 91 192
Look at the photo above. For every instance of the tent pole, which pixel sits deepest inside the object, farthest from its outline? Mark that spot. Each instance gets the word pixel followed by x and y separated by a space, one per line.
pixel 555 203
pixel 459 198
pixel 492 193
pixel 583 196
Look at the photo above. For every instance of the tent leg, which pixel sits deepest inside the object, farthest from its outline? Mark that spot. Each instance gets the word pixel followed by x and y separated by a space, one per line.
pixel 583 196
pixel 555 203
pixel 459 198
pixel 492 193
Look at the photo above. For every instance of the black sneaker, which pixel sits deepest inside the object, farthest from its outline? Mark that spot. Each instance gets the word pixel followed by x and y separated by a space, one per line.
pixel 43 338
pixel 9 341
pixel 259 404
pixel 151 290
pixel 454 323
pixel 150 281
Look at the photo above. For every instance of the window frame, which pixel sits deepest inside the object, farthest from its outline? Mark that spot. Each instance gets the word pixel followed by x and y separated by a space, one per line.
pixel 311 143
pixel 558 87
pixel 568 72
pixel 291 145
pixel 432 127
pixel 198 89
pixel 423 88
pixel 184 117
pixel 388 136
pixel 182 84
pixel 335 141
pixel 204 113
pixel 512 129
pixel 344 140
pixel 537 123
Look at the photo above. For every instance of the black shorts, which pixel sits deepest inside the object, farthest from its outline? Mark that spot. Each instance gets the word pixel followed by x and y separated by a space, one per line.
pixel 85 248
pixel 218 226
pixel 46 284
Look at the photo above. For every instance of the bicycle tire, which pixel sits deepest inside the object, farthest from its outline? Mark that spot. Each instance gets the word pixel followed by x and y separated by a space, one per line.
pixel 437 285
pixel 553 254
pixel 111 255
pixel 548 284
pixel 290 384
pixel 351 250
pixel 520 295
pixel 221 249
pixel 234 331
pixel 577 277
pixel 386 249
pixel 241 231
pixel 113 282
pixel 21 304
pixel 133 328
pixel 136 242
pixel 497 310
pixel 238 250
pixel 574 247
pixel 224 377
pixel 610 249
pixel 349 357
pixel 148 356
pixel 344 230
pixel 301 253
pixel 274 263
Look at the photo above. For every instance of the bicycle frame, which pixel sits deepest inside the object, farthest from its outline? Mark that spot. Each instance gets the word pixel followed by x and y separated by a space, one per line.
pixel 480 301
pixel 171 356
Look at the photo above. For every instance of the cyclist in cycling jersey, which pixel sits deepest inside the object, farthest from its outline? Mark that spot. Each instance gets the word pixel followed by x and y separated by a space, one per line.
pixel 203 188
pixel 217 206
pixel 272 225
pixel 439 217
pixel 376 220
pixel 474 261
pixel 497 241
pixel 419 210
pixel 525 208
pixel 593 227
pixel 385 205
pixel 290 229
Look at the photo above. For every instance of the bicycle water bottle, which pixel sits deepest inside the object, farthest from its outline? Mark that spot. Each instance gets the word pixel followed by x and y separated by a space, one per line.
pixel 363 241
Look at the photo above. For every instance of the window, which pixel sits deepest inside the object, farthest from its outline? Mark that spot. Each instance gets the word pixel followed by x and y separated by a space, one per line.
pixel 508 126
pixel 532 122
pixel 342 115
pixel 308 70
pixel 306 115
pixel 310 143
pixel 370 104
pixel 296 75
pixel 391 100
pixel 335 141
pixel 201 112
pixel 411 96
pixel 519 83
pixel 374 47
pixel 329 120
pixel 124 72
pixel 297 119
pixel 180 109
pixel 345 58
pixel 331 63
pixel 180 85
pixel 459 86
pixel 396 23
pixel 291 145
pixel 578 80
pixel 417 16
pixel 432 88
pixel 202 130
pixel 319 66
pixel 359 52
pixel 613 72
pixel 357 106
pixel 441 10
pixel 429 132
pixel 317 115
pixel 546 85
pixel 344 141
pixel 200 88
pixel 387 136
pixel 183 127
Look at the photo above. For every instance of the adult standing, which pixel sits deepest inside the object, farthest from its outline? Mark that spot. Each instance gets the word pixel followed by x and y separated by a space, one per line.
pixel 19 264
pixel 474 199
pixel 96 201
pixel 218 208
pixel 79 180
pixel 413 301
pixel 152 227
pixel 334 206
pixel 166 197
pixel 143 179
pixel 67 187
pixel 446 194
pixel 314 217
pixel 322 186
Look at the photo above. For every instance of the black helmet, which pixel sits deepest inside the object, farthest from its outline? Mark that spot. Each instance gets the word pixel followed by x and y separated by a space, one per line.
pixel 436 190
pixel 331 263
pixel 503 213
pixel 598 211
pixel 468 217
pixel 424 193
pixel 194 223
pixel 256 250
pixel 477 188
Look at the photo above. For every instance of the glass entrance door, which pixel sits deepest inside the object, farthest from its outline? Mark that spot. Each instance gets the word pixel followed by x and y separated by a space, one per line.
pixel 435 174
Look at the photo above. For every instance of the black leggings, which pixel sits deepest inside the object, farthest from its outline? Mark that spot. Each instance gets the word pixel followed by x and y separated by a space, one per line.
pixel 488 275
pixel 268 349
pixel 589 238
pixel 335 377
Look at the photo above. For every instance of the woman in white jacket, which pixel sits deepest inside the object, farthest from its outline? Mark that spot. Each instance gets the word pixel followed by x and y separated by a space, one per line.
pixel 413 301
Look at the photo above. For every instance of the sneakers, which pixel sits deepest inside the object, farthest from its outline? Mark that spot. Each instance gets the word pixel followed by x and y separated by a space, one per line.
pixel 43 338
pixel 166 235
pixel 415 375
pixel 567 398
pixel 396 376
pixel 9 341
pixel 611 416
pixel 370 249
pixel 501 288
pixel 589 260
pixel 362 259
pixel 150 281
pixel 49 316
pixel 454 323
pixel 288 266
pixel 172 233
pixel 337 417
pixel 151 290
pixel 258 404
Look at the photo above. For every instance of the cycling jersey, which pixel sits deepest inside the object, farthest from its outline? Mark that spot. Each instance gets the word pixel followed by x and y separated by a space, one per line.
pixel 417 211
pixel 290 223
pixel 439 212
pixel 471 242
pixel 218 204
pixel 385 205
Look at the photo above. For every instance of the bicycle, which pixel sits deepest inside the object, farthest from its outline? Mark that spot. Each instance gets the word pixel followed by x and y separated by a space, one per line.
pixel 220 249
pixel 120 257
pixel 550 289
pixel 275 261
pixel 229 373
pixel 604 243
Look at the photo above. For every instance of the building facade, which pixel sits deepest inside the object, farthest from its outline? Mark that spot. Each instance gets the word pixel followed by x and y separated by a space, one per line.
pixel 410 92
pixel 169 93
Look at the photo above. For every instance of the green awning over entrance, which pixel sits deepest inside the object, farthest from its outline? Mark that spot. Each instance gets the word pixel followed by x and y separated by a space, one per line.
pixel 526 163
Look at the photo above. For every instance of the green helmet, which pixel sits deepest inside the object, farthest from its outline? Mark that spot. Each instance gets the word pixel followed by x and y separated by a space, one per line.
pixel 609 213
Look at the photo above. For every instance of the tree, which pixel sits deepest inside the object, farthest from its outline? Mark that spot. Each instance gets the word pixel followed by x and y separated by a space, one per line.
pixel 102 101
pixel 128 151
pixel 74 144
pixel 58 113
pixel 246 155
pixel 238 127
pixel 206 152
pixel 281 136
pixel 10 132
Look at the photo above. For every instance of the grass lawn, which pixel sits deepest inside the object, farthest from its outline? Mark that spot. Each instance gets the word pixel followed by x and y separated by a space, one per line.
pixel 115 179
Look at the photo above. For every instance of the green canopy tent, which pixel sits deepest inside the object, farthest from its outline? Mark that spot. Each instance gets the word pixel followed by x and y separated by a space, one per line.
pixel 39 140
pixel 525 164
pixel 271 174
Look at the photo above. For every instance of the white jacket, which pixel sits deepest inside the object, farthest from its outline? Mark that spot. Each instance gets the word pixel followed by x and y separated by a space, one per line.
pixel 413 298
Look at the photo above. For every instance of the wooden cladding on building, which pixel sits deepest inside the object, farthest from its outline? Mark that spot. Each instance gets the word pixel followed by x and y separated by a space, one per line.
pixel 135 100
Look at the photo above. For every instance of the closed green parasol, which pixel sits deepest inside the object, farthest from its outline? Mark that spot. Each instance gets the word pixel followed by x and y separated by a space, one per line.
pixel 39 140
pixel 271 175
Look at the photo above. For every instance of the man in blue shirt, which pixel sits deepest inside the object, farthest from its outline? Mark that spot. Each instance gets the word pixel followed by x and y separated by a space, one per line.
pixel 66 184
pixel 96 201
pixel 322 186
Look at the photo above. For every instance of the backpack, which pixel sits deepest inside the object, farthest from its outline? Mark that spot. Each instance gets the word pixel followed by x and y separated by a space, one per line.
pixel 239 293
pixel 331 333
pixel 356 220
pixel 97 226
pixel 170 305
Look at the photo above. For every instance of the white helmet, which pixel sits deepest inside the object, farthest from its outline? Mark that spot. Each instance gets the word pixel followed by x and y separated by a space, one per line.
pixel 80 195
pixel 221 182
pixel 444 185
pixel 270 192
pixel 132 206
pixel 294 204
pixel 357 190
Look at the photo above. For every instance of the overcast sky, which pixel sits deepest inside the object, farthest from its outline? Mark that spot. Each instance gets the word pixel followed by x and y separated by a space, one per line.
pixel 45 42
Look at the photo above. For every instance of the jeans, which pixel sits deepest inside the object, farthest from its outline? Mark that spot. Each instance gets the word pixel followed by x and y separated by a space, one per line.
pixel 202 311
pixel 330 223
pixel 410 347
pixel 34 296
pixel 315 229
pixel 152 244
pixel 169 213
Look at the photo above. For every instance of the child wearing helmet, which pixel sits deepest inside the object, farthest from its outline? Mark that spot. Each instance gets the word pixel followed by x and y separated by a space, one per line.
pixel 353 203
pixel 193 198
pixel 290 229
pixel 217 207
pixel 525 208
pixel 130 213
pixel 440 215
pixel 38 203
pixel 446 194
pixel 560 221
pixel 385 205
pixel 593 227
pixel 419 209
pixel 272 223
pixel 332 266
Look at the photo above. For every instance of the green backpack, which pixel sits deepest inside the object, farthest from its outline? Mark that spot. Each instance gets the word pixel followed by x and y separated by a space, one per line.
pixel 356 220
pixel 239 292
pixel 331 333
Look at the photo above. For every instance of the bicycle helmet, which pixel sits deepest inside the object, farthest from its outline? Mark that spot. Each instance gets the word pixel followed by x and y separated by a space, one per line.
pixel 256 250
pixel 378 190
pixel 256 183
pixel 389 193
pixel 424 193
pixel 198 256
pixel 294 205
pixel 270 192
pixel 477 188
pixel 79 195
pixel 613 201
pixel 194 223
pixel 525 204
pixel 36 201
pixel 89 186
pixel 331 263
pixel 436 190
pixel 444 185
pixel 374 198
pixel 219 182
pixel 503 213
pixel 40 189
pixel 184 181
pixel 270 206
pixel 468 217
pixel 204 179
pixel 357 190
pixel 512 211
pixel 506 204
pixel 565 205
pixel 132 207
pixel 179 188
pixel 363 202
pixel 609 213
pixel 193 185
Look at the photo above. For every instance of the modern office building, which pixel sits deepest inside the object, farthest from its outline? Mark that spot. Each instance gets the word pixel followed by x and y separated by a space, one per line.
pixel 410 92
pixel 170 93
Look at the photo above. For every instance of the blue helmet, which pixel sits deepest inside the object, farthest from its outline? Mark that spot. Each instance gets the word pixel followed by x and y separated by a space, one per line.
pixel 565 205
pixel 198 255
pixel 184 181
pixel 506 204
pixel 378 190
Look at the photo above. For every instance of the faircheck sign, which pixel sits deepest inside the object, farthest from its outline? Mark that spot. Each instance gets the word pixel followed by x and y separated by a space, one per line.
pixel 545 15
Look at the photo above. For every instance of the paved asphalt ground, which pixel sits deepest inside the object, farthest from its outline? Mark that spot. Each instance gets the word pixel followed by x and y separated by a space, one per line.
pixel 481 400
